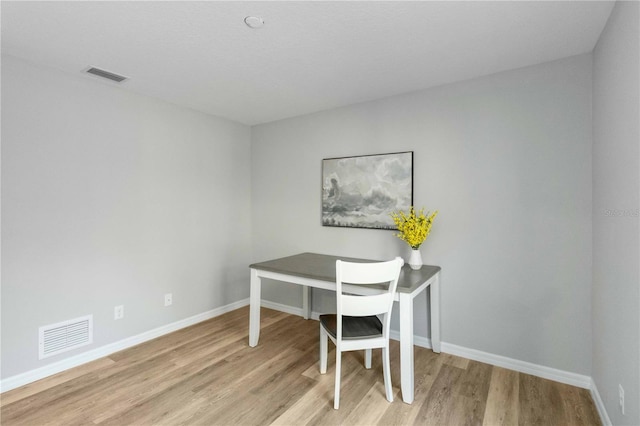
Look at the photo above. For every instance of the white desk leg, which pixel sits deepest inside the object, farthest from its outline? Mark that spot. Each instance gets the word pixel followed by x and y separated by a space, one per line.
pixel 254 309
pixel 406 347
pixel 306 302
pixel 435 313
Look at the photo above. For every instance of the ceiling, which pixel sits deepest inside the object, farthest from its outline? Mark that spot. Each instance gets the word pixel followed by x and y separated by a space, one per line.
pixel 309 56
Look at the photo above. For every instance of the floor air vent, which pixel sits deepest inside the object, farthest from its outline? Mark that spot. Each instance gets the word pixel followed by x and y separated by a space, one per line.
pixel 64 336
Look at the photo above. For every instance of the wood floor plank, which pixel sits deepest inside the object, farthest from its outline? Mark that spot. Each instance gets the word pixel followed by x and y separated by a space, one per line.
pixel 352 389
pixel 454 361
pixel 51 381
pixel 119 373
pixel 474 387
pixel 583 408
pixel 371 407
pixel 502 400
pixel 541 401
pixel 427 367
pixel 310 403
pixel 206 374
pixel 440 404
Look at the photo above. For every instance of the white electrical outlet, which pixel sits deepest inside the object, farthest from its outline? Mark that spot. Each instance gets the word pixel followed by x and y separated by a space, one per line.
pixel 168 299
pixel 118 312
pixel 621 394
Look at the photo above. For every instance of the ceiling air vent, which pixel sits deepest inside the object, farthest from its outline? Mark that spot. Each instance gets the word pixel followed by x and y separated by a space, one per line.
pixel 64 336
pixel 106 74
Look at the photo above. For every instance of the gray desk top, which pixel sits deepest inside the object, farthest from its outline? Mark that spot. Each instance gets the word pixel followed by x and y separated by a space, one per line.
pixel 323 267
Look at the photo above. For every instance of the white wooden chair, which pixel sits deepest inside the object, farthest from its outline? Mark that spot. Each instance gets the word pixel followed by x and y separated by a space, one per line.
pixel 355 325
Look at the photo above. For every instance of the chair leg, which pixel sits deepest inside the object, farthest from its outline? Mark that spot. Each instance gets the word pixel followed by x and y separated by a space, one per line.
pixel 367 358
pixel 336 397
pixel 386 372
pixel 324 349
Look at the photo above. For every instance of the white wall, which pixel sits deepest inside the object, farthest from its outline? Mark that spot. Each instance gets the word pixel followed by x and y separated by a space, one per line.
pixel 111 198
pixel 507 161
pixel 616 225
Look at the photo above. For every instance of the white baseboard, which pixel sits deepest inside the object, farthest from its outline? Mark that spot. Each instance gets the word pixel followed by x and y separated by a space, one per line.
pixel 566 377
pixel 423 342
pixel 76 360
pixel 283 308
pixel 602 411
pixel 395 335
pixel 554 374
pixel 561 376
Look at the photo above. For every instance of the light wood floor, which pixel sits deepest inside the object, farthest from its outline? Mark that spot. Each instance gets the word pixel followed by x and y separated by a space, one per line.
pixel 208 375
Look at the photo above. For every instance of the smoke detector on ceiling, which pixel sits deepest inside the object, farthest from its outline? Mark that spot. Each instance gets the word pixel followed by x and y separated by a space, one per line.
pixel 254 22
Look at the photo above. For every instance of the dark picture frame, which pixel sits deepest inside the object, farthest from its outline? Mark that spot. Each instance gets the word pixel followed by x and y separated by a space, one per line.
pixel 362 191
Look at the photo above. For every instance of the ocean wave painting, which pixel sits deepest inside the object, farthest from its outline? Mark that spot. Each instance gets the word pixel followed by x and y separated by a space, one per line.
pixel 362 191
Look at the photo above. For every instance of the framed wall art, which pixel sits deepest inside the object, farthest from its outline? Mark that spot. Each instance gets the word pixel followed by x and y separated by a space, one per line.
pixel 362 191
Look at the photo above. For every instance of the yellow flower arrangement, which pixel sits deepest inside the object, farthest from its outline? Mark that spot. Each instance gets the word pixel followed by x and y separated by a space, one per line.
pixel 414 228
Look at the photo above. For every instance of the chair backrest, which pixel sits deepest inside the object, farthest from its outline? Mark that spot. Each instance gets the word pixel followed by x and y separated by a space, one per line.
pixel 367 273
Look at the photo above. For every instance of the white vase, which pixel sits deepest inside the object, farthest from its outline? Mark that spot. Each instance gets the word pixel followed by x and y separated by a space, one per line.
pixel 415 259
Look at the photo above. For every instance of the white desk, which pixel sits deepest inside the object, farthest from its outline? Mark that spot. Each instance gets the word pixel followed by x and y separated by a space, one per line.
pixel 319 271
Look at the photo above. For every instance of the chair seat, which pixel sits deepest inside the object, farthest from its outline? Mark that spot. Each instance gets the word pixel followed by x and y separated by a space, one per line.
pixel 353 327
